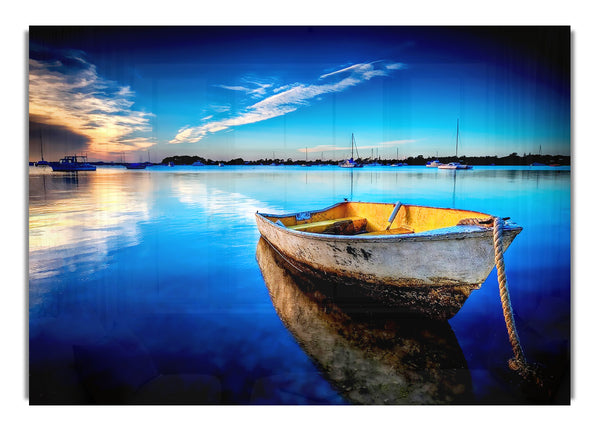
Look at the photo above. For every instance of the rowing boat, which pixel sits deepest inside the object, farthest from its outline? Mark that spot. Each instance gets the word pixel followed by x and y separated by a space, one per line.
pixel 425 259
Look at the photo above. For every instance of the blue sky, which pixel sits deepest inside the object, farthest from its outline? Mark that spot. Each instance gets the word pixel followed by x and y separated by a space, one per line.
pixel 129 93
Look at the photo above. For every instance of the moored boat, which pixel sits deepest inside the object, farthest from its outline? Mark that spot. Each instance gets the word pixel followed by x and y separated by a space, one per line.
pixel 72 164
pixel 454 165
pixel 136 165
pixel 429 259
pixel 433 164
pixel 42 162
pixel 351 163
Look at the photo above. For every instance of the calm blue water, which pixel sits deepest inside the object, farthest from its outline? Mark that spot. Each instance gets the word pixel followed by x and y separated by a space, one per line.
pixel 144 286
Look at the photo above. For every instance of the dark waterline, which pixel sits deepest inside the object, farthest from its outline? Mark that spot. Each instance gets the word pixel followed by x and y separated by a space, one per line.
pixel 150 287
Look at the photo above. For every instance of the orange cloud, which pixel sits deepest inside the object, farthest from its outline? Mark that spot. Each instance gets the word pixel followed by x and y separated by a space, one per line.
pixel 71 94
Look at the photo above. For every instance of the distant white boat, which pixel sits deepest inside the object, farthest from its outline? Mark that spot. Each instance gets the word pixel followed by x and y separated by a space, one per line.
pixel 455 165
pixel 433 164
pixel 351 163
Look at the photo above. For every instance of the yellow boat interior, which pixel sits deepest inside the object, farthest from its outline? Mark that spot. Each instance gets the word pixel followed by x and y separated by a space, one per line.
pixel 364 218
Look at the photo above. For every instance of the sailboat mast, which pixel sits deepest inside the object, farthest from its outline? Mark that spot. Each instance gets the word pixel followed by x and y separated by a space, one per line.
pixel 352 147
pixel 41 146
pixel 456 138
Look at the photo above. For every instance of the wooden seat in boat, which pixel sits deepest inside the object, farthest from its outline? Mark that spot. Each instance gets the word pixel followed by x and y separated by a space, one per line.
pixel 340 226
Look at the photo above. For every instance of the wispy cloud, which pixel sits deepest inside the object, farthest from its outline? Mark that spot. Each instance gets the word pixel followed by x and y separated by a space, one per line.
pixel 287 98
pixel 322 148
pixel 256 89
pixel 368 70
pixel 69 92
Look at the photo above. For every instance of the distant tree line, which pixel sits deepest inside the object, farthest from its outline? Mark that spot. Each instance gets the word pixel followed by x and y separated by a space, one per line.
pixel 511 160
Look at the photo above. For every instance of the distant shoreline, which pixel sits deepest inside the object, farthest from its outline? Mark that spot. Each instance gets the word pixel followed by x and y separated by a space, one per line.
pixel 511 160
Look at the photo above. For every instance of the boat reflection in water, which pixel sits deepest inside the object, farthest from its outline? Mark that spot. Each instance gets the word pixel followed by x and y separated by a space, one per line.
pixel 369 353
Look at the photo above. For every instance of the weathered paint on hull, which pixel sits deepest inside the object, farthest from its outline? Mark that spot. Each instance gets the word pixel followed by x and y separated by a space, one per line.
pixel 439 303
pixel 460 258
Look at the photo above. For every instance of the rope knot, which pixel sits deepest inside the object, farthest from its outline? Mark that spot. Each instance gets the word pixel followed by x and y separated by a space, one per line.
pixel 534 382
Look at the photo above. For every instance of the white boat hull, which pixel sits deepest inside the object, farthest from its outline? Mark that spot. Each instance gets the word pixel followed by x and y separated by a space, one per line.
pixel 441 266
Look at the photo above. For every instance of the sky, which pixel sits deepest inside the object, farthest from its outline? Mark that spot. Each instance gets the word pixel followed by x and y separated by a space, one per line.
pixel 145 93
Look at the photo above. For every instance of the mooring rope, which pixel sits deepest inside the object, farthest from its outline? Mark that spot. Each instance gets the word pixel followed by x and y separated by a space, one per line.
pixel 519 362
pixel 528 372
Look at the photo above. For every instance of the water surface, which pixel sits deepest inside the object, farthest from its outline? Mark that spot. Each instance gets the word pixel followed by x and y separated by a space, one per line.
pixel 145 287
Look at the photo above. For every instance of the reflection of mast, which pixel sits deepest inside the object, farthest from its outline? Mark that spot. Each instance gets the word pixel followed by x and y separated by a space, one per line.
pixel 454 191
pixel 370 355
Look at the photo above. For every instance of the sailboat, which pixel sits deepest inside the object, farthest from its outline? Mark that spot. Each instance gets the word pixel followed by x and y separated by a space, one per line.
pixel 398 162
pixel 351 163
pixel 538 163
pixel 140 165
pixel 42 162
pixel 455 165
pixel 305 164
